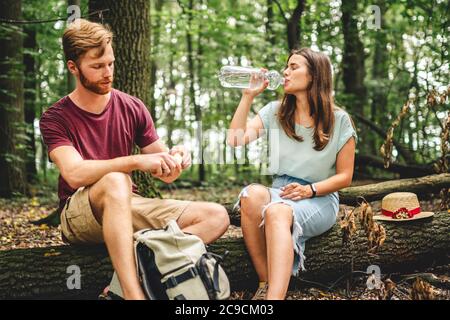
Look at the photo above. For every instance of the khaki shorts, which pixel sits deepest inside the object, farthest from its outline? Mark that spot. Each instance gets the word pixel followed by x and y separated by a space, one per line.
pixel 79 226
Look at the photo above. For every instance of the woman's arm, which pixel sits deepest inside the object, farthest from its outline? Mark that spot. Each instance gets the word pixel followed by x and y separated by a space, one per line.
pixel 343 178
pixel 241 132
pixel 345 162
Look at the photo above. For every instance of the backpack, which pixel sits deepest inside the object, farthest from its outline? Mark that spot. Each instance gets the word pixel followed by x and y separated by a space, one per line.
pixel 176 266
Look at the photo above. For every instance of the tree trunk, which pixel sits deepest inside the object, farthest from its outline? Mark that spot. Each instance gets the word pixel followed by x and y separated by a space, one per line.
pixel 373 192
pixel 293 26
pixel 411 246
pixel 155 37
pixel 12 157
pixel 270 36
pixel 380 77
pixel 191 67
pixel 30 97
pixel 353 59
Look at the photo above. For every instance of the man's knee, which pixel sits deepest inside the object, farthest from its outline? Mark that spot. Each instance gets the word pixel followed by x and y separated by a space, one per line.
pixel 113 186
pixel 116 183
pixel 218 216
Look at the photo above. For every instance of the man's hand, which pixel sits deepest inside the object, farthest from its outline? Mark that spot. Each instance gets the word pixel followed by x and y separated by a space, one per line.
pixel 185 155
pixel 295 191
pixel 158 164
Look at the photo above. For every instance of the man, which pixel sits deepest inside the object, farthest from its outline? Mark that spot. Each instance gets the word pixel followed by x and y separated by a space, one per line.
pixel 90 136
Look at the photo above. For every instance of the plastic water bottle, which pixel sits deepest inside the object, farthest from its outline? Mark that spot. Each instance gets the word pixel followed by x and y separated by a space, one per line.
pixel 244 77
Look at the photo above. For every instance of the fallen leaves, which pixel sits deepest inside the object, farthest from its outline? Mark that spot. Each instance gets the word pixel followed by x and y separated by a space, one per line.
pixel 347 224
pixel 422 290
pixel 16 231
pixel 376 233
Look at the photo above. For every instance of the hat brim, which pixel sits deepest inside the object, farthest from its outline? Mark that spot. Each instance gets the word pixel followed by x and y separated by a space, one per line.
pixel 422 215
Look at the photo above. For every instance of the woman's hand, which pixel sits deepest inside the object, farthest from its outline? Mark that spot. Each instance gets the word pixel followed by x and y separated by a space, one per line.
pixel 295 191
pixel 253 92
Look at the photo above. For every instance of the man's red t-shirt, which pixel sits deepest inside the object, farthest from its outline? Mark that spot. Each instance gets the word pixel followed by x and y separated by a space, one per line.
pixel 125 121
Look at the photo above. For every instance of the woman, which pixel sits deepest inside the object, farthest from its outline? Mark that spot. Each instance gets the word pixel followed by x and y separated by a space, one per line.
pixel 315 160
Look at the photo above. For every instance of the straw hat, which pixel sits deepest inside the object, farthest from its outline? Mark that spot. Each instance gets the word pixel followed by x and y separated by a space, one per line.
pixel 401 206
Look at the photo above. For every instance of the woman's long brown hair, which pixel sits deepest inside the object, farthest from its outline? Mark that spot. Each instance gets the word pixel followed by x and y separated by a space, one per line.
pixel 320 100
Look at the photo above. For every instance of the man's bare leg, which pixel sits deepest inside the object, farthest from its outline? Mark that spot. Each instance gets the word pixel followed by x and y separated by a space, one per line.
pixel 110 199
pixel 204 219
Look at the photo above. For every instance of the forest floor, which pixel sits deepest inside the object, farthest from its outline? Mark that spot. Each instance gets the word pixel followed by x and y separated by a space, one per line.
pixel 16 231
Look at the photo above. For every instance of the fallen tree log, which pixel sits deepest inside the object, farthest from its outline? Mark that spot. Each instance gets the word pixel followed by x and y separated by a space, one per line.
pixel 409 246
pixel 376 191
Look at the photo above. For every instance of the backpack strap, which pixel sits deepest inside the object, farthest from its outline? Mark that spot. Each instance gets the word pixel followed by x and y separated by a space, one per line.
pixel 219 259
pixel 174 281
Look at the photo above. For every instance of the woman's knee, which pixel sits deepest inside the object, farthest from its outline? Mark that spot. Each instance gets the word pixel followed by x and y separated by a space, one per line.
pixel 254 197
pixel 279 214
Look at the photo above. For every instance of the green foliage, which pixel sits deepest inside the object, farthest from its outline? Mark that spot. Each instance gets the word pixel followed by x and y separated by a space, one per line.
pixel 415 60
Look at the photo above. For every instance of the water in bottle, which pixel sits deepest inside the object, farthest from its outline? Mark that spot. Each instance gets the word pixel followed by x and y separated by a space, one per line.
pixel 245 77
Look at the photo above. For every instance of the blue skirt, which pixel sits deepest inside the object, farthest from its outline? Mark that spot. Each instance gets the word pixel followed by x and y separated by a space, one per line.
pixel 312 217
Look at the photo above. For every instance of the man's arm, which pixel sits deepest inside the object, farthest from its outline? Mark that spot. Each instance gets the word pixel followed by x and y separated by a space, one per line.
pixel 78 172
pixel 155 147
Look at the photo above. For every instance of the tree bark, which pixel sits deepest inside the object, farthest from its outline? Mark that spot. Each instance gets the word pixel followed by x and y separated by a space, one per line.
pixel 42 272
pixel 270 36
pixel 30 97
pixel 12 157
pixel 155 38
pixel 353 59
pixel 293 27
pixel 191 67
pixel 380 77
pixel 293 24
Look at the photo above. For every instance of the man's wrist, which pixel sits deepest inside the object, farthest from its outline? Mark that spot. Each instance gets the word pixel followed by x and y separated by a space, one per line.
pixel 134 162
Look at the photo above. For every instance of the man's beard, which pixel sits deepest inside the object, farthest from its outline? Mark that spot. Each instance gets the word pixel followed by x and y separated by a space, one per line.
pixel 95 87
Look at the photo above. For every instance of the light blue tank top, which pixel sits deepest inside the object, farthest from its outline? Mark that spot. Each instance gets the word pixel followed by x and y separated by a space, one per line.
pixel 299 159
